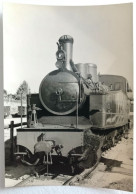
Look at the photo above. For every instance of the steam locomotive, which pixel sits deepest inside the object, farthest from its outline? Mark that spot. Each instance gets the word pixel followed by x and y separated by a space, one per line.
pixel 76 113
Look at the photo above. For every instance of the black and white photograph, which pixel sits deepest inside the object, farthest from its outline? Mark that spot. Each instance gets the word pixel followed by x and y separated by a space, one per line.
pixel 68 95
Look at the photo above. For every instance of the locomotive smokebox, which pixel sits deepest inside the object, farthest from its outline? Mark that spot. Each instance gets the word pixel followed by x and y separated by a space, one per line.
pixel 59 92
pixel 64 53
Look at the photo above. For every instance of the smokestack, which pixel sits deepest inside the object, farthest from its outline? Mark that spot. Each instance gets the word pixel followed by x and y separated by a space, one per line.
pixel 65 52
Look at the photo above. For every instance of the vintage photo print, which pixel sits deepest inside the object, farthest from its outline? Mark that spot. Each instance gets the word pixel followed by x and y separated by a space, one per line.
pixel 68 95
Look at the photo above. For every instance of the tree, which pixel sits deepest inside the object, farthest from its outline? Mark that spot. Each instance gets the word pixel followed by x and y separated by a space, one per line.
pixel 5 92
pixel 23 88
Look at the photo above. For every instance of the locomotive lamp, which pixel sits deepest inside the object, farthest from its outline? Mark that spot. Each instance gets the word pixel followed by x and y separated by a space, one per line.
pixel 60 55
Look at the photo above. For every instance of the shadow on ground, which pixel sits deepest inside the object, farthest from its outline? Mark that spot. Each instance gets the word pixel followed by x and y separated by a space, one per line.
pixel 110 163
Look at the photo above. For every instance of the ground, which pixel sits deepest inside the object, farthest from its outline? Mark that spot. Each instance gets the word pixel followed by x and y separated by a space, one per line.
pixel 115 170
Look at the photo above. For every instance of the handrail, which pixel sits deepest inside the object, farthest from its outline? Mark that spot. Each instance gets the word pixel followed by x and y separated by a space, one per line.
pixel 18 124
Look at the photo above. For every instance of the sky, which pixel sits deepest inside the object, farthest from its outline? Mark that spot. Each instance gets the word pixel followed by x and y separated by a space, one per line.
pixel 102 35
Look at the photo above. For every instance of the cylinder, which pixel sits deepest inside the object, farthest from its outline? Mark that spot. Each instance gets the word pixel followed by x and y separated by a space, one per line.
pixel 66 42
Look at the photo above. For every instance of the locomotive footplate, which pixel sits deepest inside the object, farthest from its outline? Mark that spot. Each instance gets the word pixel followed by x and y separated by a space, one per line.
pixel 64 139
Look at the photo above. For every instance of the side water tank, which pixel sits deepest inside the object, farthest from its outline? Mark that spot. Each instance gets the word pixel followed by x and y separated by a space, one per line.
pixel 87 69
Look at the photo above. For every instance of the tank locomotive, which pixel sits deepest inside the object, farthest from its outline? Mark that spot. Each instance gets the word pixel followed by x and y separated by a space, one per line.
pixel 75 114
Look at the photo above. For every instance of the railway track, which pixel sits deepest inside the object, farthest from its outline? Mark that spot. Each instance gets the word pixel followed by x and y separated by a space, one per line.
pixel 55 179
